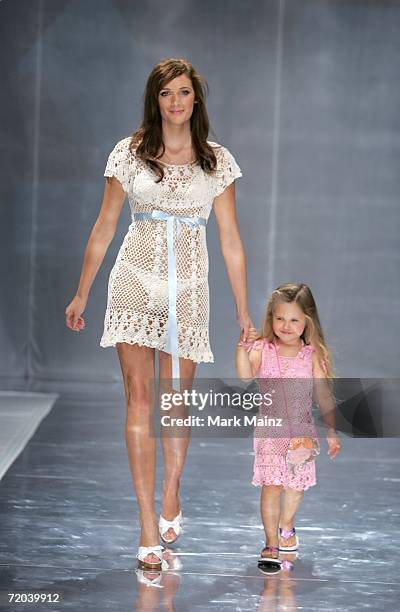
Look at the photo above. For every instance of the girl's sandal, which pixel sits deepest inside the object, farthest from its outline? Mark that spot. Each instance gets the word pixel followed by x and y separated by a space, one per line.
pixel 286 534
pixel 175 524
pixel 271 556
pixel 268 569
pixel 144 551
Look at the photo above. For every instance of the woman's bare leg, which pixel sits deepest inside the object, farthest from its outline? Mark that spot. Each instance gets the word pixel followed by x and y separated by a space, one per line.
pixel 270 512
pixel 174 446
pixel 291 502
pixel 137 365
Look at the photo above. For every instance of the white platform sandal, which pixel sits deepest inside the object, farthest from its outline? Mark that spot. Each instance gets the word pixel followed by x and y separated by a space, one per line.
pixel 144 551
pixel 175 524
pixel 150 582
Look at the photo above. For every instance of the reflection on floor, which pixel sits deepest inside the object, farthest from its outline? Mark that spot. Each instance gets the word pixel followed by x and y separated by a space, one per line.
pixel 69 525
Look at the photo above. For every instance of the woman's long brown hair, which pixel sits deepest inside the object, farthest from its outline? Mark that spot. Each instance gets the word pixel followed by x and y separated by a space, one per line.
pixel 300 294
pixel 147 139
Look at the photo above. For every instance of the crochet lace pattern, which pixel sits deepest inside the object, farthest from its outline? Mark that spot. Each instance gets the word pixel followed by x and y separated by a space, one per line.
pixel 137 303
pixel 271 443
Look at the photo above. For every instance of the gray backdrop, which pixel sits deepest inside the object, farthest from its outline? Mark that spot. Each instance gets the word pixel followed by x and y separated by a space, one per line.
pixel 305 93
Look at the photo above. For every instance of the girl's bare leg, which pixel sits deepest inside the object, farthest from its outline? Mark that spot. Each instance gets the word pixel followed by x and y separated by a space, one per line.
pixel 291 502
pixel 137 365
pixel 174 443
pixel 270 512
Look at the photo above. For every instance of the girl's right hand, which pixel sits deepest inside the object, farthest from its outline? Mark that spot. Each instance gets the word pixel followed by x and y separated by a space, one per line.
pixel 252 335
pixel 73 311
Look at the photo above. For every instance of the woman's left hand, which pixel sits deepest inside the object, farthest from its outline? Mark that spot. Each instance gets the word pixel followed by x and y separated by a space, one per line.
pixel 333 445
pixel 247 327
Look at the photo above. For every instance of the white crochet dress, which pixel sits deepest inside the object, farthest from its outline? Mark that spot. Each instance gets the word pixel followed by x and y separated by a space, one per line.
pixel 138 299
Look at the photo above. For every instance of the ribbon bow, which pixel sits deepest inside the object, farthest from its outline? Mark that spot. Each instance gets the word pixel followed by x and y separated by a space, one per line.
pixel 173 221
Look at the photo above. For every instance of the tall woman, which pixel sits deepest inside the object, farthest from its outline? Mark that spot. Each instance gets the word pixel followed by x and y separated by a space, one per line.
pixel 158 296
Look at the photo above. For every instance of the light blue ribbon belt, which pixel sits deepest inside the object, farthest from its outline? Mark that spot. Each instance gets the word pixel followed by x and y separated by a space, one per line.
pixel 172 327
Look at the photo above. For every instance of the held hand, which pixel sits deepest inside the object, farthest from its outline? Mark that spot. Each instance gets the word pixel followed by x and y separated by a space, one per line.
pixel 249 332
pixel 252 334
pixel 73 319
pixel 333 445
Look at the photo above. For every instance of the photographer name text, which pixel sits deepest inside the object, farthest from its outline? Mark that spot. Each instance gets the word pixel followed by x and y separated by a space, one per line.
pixel 218 421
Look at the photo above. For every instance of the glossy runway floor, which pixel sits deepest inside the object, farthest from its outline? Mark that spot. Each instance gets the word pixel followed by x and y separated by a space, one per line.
pixel 69 525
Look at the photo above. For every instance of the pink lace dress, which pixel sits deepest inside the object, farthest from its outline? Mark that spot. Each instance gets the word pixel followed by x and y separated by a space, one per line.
pixel 289 380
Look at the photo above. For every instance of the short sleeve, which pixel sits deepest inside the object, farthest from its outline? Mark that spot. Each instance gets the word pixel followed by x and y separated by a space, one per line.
pixel 121 164
pixel 308 350
pixel 227 170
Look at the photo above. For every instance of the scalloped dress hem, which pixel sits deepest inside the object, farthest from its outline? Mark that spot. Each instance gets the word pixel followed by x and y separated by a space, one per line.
pixel 106 343
pixel 261 483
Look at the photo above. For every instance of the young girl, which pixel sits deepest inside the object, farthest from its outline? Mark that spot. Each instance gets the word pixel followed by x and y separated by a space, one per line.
pixel 292 362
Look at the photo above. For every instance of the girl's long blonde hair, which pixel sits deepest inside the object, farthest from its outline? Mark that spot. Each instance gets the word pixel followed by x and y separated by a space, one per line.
pixel 300 294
